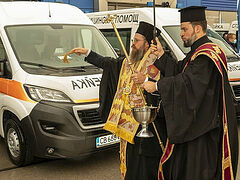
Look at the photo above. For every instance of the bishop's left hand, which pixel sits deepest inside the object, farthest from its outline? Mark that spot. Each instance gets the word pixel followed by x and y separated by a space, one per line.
pixel 138 77
pixel 149 86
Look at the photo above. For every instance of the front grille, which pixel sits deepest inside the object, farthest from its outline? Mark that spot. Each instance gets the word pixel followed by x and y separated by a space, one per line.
pixel 89 117
pixel 236 90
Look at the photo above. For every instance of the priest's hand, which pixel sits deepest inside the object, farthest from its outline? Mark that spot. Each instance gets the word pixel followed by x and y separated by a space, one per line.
pixel 149 86
pixel 79 51
pixel 138 77
pixel 157 49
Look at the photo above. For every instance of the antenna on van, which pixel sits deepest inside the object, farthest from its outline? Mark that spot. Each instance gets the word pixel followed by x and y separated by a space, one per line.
pixel 49 10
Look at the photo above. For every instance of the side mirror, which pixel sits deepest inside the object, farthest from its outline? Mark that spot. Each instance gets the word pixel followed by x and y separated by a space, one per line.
pixel 2 64
pixel 169 52
pixel 3 60
pixel 118 51
pixel 5 70
pixel 166 50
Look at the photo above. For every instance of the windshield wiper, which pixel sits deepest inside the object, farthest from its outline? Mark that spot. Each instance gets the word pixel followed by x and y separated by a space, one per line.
pixel 53 68
pixel 233 57
pixel 73 69
pixel 88 67
pixel 80 68
pixel 39 65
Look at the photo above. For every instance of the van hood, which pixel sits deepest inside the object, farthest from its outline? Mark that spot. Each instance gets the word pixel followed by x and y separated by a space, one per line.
pixel 80 89
pixel 85 89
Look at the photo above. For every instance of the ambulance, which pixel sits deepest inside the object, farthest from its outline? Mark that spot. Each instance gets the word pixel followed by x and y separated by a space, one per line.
pixel 221 28
pixel 168 21
pixel 48 108
pixel 233 27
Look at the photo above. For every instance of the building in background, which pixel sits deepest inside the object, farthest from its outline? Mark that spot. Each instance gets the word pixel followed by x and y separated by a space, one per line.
pixel 85 5
pixel 218 11
pixel 105 5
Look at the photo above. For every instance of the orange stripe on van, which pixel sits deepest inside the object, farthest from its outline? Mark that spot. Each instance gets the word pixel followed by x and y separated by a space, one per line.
pixel 233 80
pixel 86 100
pixel 14 89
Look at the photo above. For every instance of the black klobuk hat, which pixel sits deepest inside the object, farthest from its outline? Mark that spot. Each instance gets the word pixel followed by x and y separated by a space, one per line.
pixel 193 13
pixel 146 30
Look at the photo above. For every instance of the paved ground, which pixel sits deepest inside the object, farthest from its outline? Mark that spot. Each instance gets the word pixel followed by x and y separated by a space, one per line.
pixel 100 166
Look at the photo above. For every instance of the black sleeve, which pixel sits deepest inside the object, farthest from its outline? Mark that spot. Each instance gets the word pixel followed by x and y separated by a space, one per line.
pixel 100 61
pixel 167 65
pixel 108 86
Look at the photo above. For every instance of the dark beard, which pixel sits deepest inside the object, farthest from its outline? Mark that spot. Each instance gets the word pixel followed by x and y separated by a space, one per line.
pixel 190 42
pixel 137 55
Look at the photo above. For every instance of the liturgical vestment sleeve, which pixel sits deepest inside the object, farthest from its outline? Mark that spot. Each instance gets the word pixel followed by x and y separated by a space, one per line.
pixel 187 97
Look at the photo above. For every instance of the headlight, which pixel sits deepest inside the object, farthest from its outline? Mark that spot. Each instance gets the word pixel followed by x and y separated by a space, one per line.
pixel 41 93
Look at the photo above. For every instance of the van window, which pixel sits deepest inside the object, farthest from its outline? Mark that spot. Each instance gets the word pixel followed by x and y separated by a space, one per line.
pixel 47 44
pixel 166 47
pixel 2 51
pixel 126 39
pixel 87 38
pixel 2 58
pixel 5 70
pixel 125 35
pixel 174 32
pixel 221 33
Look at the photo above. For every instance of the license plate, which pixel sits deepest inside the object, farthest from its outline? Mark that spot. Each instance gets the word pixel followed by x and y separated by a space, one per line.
pixel 107 140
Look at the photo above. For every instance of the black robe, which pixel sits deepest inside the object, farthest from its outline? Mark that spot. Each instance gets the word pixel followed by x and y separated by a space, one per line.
pixel 192 103
pixel 142 157
pixel 108 85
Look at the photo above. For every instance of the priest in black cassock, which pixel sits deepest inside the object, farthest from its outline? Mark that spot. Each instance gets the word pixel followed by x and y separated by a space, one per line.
pixel 202 137
pixel 118 93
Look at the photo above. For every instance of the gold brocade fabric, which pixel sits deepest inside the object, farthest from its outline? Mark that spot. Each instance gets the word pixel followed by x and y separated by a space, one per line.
pixel 120 120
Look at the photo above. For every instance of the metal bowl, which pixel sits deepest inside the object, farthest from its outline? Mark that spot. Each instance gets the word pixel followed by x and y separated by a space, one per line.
pixel 144 115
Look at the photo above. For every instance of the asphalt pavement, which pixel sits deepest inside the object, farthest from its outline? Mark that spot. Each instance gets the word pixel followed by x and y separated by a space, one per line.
pixel 99 166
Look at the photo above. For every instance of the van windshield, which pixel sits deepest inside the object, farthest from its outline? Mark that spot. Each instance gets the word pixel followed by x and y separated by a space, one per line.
pixel 38 46
pixel 174 32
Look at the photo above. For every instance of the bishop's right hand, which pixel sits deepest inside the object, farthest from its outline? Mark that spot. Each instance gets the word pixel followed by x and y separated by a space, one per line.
pixel 157 49
pixel 138 77
pixel 79 51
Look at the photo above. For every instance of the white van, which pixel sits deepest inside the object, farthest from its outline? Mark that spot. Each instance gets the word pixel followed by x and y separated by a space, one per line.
pixel 168 21
pixel 49 108
pixel 233 27
pixel 221 28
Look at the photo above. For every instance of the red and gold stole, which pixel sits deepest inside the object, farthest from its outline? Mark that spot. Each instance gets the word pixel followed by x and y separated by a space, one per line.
pixel 120 120
pixel 216 54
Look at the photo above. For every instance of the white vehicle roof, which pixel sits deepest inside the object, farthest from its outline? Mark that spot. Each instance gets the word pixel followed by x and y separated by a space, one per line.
pixel 135 15
pixel 14 13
